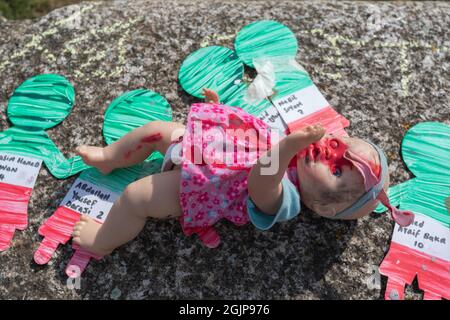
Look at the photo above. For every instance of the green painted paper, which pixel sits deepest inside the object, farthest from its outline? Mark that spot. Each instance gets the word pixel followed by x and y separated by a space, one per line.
pixel 41 102
pixel 132 110
pixel 127 112
pixel 426 152
pixel 396 194
pixel 288 82
pixel 216 68
pixel 119 179
pixel 266 39
pixel 221 69
pixel 237 98
pixel 37 104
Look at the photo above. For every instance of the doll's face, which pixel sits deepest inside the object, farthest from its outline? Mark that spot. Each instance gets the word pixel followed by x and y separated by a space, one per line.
pixel 329 183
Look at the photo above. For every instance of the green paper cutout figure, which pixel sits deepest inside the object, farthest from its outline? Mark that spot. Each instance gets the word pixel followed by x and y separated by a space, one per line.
pixel 265 39
pixel 39 103
pixel 426 153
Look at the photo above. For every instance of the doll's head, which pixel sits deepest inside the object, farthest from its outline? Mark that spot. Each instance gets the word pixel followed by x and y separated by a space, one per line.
pixel 345 178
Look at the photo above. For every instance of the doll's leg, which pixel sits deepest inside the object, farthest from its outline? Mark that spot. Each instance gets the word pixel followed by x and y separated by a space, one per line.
pixel 133 147
pixel 155 196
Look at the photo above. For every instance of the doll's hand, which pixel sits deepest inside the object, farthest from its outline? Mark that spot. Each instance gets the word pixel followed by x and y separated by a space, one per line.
pixel 210 96
pixel 302 138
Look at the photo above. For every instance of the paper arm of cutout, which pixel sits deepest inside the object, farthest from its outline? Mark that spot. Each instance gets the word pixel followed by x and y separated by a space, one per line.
pixel 423 149
pixel 396 194
pixel 58 165
pixel 138 107
pixel 19 141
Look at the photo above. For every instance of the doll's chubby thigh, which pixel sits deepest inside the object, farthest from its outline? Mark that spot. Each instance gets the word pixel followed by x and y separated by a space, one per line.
pixel 155 196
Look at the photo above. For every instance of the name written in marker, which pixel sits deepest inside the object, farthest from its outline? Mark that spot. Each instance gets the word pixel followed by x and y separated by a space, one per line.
pixel 426 235
pixel 95 192
pixel 87 198
pixel 19 170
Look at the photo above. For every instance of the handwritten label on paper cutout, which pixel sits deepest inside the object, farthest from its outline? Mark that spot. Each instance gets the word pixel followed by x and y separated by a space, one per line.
pixel 300 104
pixel 272 117
pixel 425 235
pixel 89 199
pixel 19 170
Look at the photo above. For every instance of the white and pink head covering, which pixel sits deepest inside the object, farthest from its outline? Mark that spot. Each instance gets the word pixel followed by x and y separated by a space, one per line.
pixel 374 188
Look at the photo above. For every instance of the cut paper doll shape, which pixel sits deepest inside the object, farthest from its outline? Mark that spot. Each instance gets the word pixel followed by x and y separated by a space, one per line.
pixel 39 103
pixel 93 193
pixel 422 249
pixel 287 98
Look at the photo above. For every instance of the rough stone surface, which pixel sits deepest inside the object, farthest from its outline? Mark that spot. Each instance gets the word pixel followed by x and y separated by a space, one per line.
pixel 385 66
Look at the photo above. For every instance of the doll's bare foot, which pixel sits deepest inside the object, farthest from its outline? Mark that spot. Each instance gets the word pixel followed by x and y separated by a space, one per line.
pixel 94 156
pixel 211 96
pixel 84 234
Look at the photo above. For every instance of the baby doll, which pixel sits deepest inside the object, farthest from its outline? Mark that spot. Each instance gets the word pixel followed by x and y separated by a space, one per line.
pixel 337 177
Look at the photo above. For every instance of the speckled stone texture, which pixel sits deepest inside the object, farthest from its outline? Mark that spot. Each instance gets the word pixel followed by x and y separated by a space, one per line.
pixel 384 66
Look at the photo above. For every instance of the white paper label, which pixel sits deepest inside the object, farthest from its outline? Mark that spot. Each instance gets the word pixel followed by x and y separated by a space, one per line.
pixel 19 170
pixel 425 235
pixel 300 104
pixel 272 117
pixel 89 199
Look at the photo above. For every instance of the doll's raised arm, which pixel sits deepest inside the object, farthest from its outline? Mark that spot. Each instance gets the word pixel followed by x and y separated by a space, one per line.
pixel 264 182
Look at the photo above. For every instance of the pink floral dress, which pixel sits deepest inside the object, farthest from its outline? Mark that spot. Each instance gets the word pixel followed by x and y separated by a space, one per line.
pixel 219 147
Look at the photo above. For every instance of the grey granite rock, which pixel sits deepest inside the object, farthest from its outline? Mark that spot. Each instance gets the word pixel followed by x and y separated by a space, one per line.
pixel 385 66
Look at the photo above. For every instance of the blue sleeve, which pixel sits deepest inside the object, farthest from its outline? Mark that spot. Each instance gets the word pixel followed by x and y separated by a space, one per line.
pixel 290 208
